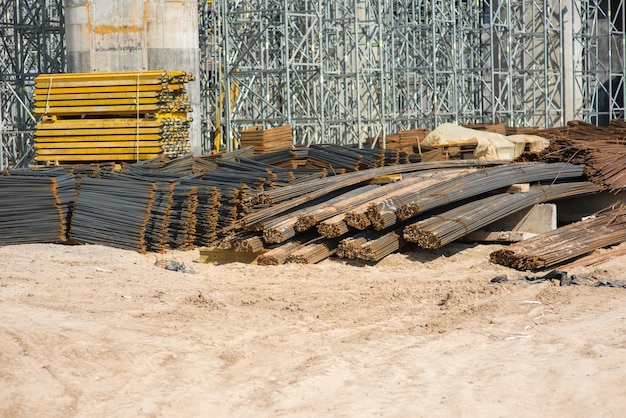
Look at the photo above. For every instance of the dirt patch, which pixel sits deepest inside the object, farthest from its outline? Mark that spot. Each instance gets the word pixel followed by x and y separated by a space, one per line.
pixel 92 331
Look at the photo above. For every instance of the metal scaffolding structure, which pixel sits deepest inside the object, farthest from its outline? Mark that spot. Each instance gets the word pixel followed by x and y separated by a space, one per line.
pixel 349 71
pixel 31 42
pixel 599 53
pixel 354 71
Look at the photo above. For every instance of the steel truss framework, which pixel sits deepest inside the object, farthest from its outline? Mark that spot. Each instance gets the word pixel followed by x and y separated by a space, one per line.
pixel 31 42
pixel 345 71
pixel 599 53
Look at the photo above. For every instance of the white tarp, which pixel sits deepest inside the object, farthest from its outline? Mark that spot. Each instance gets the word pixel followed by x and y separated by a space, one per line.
pixel 489 145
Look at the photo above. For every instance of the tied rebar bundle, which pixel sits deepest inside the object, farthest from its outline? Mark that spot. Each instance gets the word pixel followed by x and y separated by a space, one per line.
pixel 279 255
pixel 606 228
pixel 113 212
pixel 314 252
pixel 381 247
pixel 604 161
pixel 34 208
pixel 449 226
pixel 287 198
pixel 483 181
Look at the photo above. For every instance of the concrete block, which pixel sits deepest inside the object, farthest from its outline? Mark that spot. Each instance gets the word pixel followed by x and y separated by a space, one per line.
pixel 520 225
pixel 519 188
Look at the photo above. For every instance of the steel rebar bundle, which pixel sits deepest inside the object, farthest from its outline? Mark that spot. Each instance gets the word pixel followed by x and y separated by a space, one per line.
pixel 279 255
pixel 159 220
pixel 31 210
pixel 604 161
pixel 550 249
pixel 183 220
pixel 381 213
pixel 314 252
pixel 333 227
pixel 444 228
pixel 381 247
pixel 480 182
pixel 296 195
pixel 351 246
pixel 113 213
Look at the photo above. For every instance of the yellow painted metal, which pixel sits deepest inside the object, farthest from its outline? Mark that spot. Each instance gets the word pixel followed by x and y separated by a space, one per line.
pixel 96 102
pixel 98 157
pixel 46 90
pixel 98 144
pixel 103 110
pixel 85 132
pixel 102 123
pixel 105 95
pixel 116 116
pixel 95 138
pixel 105 150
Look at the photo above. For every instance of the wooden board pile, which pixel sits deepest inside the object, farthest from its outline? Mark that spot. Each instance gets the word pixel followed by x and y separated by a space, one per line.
pixel 267 140
pixel 127 116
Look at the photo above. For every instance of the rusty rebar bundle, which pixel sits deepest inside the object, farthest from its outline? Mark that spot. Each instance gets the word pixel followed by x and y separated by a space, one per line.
pixel 483 181
pixel 550 249
pixel 449 226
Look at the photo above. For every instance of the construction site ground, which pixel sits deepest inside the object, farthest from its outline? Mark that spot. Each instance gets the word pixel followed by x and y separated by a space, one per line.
pixel 95 331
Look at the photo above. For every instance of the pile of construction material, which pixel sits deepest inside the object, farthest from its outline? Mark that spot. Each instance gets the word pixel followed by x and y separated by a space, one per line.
pixel 408 140
pixel 241 202
pixel 267 140
pixel 36 207
pixel 128 116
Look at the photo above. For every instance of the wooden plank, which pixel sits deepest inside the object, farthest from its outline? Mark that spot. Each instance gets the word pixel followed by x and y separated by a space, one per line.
pixel 217 256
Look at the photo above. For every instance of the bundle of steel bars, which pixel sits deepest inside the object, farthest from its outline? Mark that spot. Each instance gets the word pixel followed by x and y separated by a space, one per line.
pixel 128 116
pixel 113 212
pixel 32 210
pixel 442 229
pixel 566 243
pixel 604 161
pixel 483 181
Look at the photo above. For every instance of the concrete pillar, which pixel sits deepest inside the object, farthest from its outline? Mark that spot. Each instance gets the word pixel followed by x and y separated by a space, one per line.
pixel 135 35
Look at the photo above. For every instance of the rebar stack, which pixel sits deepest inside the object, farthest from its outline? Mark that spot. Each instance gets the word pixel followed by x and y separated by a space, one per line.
pixel 31 210
pixel 279 255
pixel 313 253
pixel 377 249
pixel 113 212
pixel 566 243
pixel 604 161
pixel 442 229
pixel 474 184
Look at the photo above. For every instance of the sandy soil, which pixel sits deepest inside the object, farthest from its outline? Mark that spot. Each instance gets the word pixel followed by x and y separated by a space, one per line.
pixel 94 331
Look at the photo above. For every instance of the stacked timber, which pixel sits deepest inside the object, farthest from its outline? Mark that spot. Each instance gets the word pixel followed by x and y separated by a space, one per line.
pixel 498 128
pixel 128 116
pixel 267 140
